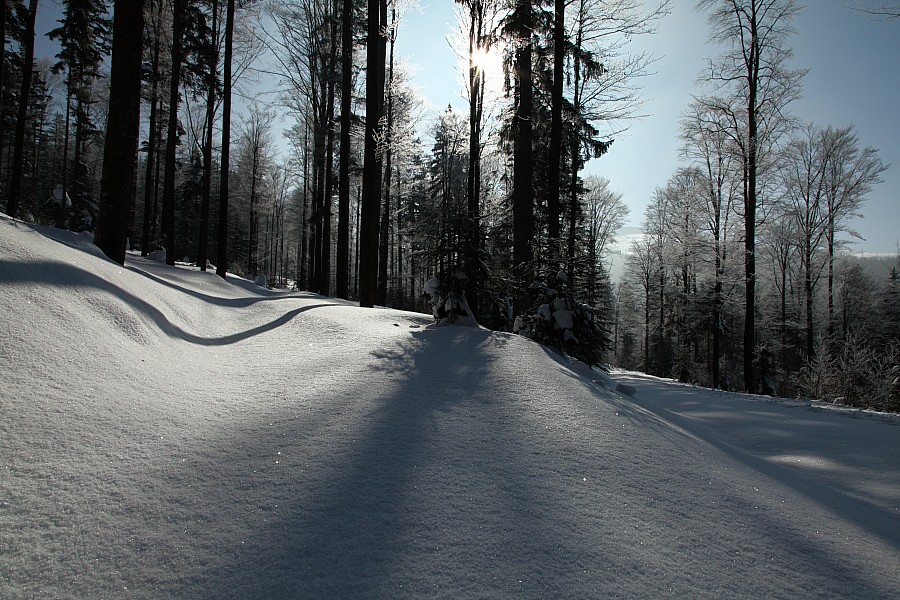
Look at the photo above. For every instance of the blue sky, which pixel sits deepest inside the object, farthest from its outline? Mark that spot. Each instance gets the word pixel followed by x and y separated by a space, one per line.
pixel 854 78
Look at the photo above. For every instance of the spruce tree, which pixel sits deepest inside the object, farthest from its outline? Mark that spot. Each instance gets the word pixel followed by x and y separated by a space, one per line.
pixel 83 35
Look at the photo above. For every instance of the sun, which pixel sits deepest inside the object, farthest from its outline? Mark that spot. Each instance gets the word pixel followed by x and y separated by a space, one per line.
pixel 487 61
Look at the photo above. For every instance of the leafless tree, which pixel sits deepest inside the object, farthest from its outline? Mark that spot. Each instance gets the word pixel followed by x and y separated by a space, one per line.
pixel 753 85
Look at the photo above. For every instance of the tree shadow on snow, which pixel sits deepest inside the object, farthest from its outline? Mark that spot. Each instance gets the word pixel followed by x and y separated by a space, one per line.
pixel 260 294
pixel 63 275
pixel 790 437
pixel 437 494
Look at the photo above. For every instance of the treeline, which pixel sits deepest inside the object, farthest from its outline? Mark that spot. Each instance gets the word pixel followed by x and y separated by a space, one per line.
pixel 491 201
pixel 738 281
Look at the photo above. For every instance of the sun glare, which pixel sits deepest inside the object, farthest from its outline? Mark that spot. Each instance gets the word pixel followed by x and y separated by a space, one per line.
pixel 487 61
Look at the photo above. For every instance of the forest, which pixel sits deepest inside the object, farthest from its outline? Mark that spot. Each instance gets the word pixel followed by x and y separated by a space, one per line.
pixel 148 130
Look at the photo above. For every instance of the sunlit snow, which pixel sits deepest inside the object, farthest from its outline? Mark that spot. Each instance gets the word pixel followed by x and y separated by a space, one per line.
pixel 168 434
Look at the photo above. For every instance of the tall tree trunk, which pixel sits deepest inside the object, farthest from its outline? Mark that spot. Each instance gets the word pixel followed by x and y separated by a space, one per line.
pixel 222 266
pixel 304 219
pixel 575 146
pixel 356 241
pixel 12 202
pixel 343 234
pixel 523 164
pixel 62 218
pixel 203 249
pixel 2 69
pixel 784 341
pixel 400 286
pixel 252 247
pixel 117 184
pixel 647 322
pixel 168 216
pixel 381 292
pixel 368 255
pixel 473 183
pixel 750 204
pixel 149 181
pixel 808 291
pixel 830 240
pixel 154 223
pixel 328 179
pixel 717 316
pixel 555 153
pixel 318 165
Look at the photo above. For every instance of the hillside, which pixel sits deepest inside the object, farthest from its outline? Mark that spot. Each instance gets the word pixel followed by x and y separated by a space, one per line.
pixel 165 433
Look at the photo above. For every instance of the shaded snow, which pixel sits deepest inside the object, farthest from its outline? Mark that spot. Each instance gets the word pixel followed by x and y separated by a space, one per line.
pixel 165 433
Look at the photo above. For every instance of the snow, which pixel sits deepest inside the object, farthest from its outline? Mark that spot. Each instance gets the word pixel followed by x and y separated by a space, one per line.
pixel 165 433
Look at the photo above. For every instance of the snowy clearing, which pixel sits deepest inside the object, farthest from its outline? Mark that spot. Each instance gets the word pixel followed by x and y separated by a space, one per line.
pixel 168 434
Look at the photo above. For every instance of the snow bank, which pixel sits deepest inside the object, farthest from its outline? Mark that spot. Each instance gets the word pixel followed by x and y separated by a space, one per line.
pixel 166 433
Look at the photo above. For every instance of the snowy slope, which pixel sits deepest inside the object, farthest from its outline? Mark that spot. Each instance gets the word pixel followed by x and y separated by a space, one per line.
pixel 164 433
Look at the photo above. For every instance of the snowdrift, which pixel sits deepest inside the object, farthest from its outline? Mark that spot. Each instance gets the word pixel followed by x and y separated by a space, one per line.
pixel 165 433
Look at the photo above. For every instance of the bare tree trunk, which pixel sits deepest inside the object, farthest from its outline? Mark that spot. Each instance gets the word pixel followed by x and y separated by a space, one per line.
pixel 381 292
pixel 400 271
pixel 203 250
pixel 168 216
pixel 328 180
pixel 523 164
pixel 117 185
pixel 808 291
pixel 2 65
pixel 575 146
pixel 555 154
pixel 154 223
pixel 222 266
pixel 12 202
pixel 375 55
pixel 253 246
pixel 62 217
pixel 149 181
pixel 304 282
pixel 473 183
pixel 343 236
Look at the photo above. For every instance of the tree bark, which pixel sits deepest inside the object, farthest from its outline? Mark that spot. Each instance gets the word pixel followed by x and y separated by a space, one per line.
pixel 368 256
pixel 12 203
pixel 152 142
pixel 555 154
pixel 327 189
pixel 473 183
pixel 203 245
pixel 750 204
pixel 168 216
pixel 2 64
pixel 523 164
pixel 384 250
pixel 117 185
pixel 343 233
pixel 222 266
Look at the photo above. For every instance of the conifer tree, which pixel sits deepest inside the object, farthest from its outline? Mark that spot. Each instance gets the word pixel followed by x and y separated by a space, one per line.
pixel 83 36
pixel 12 203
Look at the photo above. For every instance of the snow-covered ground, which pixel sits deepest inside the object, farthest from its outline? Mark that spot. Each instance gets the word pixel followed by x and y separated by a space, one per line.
pixel 166 434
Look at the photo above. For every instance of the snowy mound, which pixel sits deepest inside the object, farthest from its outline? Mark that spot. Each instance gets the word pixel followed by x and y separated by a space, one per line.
pixel 168 434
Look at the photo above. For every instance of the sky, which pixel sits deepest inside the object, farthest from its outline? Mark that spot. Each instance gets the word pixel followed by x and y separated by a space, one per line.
pixel 170 434
pixel 853 79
